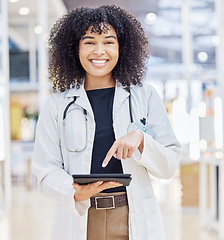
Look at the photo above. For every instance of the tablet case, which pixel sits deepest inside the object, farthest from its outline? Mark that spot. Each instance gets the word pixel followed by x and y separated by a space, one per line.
pixel 82 179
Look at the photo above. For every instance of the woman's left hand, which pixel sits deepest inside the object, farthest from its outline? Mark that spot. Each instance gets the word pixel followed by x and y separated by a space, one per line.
pixel 125 146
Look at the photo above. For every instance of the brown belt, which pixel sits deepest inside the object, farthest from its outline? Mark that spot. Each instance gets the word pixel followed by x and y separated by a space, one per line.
pixel 109 202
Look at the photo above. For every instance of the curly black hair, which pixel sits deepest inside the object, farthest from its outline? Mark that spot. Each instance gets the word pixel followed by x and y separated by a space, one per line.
pixel 65 68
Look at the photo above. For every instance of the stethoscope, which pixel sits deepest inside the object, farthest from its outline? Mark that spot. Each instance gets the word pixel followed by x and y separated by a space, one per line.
pixel 141 125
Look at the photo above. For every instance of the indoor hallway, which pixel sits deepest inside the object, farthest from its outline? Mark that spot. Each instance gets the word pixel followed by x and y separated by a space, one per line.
pixel 32 215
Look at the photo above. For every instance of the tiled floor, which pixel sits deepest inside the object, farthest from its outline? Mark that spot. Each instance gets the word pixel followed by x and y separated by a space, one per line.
pixel 32 214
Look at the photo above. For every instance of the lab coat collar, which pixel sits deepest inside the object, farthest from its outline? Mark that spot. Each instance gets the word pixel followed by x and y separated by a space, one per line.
pixel 120 95
pixel 75 91
pixel 82 99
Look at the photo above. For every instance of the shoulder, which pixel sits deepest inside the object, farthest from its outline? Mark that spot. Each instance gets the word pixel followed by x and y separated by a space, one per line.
pixel 145 90
pixel 55 98
pixel 53 101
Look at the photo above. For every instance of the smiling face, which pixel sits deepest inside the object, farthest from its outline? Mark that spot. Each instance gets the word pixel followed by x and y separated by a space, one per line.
pixel 98 54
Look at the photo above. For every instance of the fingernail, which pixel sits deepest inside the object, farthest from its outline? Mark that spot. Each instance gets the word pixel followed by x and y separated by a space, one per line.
pixel 100 182
pixel 104 164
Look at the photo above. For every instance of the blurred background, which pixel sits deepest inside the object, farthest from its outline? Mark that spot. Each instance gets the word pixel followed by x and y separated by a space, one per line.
pixel 186 67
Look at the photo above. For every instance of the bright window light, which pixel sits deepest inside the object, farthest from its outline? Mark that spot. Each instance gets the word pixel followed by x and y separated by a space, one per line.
pixel 215 40
pixel 202 109
pixel 219 155
pixel 181 120
pixel 194 135
pixel 2 135
pixel 13 1
pixel 24 11
pixel 218 121
pixel 203 145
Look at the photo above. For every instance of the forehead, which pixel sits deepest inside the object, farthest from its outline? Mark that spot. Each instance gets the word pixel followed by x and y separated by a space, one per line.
pixel 101 30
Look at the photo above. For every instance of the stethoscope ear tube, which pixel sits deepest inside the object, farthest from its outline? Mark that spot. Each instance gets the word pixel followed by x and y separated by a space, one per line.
pixel 68 106
pixel 130 108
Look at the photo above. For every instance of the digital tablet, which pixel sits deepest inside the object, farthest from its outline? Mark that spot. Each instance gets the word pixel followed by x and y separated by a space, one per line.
pixel 90 178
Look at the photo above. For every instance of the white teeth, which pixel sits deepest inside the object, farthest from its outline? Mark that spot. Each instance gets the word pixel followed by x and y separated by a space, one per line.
pixel 99 61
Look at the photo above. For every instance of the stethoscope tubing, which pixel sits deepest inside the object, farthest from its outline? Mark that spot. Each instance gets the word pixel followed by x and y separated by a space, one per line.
pixel 84 110
pixel 85 113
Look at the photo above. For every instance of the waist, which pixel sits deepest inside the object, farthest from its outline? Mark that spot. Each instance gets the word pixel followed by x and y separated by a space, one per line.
pixel 109 200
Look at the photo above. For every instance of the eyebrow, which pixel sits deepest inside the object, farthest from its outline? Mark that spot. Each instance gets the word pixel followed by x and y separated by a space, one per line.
pixel 111 37
pixel 86 37
pixel 89 37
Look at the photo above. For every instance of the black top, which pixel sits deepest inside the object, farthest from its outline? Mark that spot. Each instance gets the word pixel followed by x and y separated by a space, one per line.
pixel 101 101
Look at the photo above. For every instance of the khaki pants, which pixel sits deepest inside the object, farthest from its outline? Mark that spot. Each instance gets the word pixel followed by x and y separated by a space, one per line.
pixel 108 224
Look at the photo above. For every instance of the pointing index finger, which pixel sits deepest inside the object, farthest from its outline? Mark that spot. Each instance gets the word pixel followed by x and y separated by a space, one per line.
pixel 109 155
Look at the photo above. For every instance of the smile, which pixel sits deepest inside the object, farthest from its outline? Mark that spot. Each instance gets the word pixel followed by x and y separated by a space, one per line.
pixel 99 63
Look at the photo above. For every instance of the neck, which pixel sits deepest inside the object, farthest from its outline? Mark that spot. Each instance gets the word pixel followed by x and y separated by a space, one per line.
pixel 92 82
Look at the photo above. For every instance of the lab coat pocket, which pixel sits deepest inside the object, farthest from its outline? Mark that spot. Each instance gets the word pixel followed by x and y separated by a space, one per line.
pixel 75 130
pixel 153 219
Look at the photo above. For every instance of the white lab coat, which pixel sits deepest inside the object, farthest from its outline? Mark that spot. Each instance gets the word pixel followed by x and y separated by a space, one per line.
pixel 53 164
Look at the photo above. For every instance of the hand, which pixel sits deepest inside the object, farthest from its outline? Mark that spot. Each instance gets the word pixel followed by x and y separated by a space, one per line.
pixel 125 146
pixel 86 191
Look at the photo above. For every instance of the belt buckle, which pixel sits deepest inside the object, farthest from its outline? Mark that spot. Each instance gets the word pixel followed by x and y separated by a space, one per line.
pixel 113 202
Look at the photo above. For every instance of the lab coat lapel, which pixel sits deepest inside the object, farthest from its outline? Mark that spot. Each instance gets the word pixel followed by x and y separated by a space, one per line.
pixel 121 119
pixel 82 99
pixel 120 95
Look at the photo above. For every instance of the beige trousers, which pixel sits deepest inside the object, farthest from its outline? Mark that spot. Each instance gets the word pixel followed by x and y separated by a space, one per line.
pixel 109 224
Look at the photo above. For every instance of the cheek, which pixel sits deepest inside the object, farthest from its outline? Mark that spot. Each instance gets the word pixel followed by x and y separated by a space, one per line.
pixel 116 56
pixel 117 52
pixel 82 56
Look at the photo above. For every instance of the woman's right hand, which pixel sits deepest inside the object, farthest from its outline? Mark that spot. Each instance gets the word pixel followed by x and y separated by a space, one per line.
pixel 84 192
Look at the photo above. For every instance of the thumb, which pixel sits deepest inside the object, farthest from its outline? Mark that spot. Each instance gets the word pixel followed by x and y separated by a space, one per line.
pixel 76 186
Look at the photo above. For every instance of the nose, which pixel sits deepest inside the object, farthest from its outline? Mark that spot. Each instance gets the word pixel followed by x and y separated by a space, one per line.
pixel 99 50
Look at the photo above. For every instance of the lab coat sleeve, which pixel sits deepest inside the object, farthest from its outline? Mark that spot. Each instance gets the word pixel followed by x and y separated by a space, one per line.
pixel 47 163
pixel 161 152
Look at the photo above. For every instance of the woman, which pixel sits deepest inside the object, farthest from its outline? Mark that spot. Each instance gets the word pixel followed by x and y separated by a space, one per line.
pixel 97 63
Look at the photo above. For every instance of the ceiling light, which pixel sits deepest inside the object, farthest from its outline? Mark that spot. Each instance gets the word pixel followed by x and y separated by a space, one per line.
pixel 24 11
pixel 202 56
pixel 150 18
pixel 38 29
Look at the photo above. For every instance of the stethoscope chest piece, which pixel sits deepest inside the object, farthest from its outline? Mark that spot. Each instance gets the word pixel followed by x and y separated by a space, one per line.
pixel 140 126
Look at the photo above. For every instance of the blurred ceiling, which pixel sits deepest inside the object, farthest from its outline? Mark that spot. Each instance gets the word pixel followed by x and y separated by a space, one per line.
pixel 164 29
pixel 136 7
pixel 20 25
pixel 55 9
